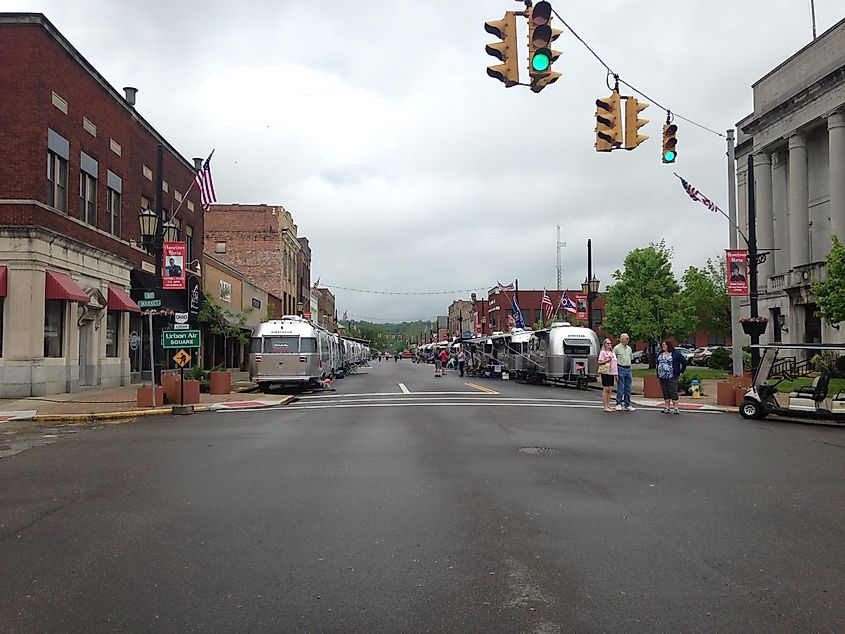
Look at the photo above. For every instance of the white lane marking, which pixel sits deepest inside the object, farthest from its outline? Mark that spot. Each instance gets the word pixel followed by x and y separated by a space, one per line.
pixel 404 389
pixel 487 403
pixel 415 397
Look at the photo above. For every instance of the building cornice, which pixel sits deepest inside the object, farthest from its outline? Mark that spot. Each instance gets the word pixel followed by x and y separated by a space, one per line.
pixel 28 232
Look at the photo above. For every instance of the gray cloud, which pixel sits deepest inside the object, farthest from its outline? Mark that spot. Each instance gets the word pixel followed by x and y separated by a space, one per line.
pixel 407 167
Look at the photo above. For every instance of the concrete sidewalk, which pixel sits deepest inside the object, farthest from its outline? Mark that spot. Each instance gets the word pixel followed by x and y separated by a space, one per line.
pixel 706 402
pixel 114 403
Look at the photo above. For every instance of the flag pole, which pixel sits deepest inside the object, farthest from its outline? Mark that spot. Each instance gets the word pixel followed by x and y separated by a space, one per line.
pixel 185 197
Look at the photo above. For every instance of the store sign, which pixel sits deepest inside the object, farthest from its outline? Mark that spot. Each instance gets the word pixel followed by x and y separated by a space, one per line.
pixel 194 294
pixel 173 275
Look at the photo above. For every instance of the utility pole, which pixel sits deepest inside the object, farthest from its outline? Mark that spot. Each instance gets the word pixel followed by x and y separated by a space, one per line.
pixel 752 260
pixel 559 261
pixel 736 330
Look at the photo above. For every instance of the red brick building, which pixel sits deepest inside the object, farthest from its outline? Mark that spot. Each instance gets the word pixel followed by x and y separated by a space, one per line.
pixel 326 310
pixel 70 243
pixel 531 307
pixel 261 242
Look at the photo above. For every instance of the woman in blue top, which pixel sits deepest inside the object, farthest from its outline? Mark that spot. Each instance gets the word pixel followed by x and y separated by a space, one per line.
pixel 670 365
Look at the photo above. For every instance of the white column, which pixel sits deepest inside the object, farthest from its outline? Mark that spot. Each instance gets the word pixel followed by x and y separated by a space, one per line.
pixel 836 139
pixel 781 255
pixel 765 214
pixel 799 195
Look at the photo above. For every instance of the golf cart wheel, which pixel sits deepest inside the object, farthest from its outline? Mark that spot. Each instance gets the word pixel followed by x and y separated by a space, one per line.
pixel 750 409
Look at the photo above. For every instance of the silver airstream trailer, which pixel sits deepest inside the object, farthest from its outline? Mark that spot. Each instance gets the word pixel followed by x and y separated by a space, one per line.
pixel 290 351
pixel 563 353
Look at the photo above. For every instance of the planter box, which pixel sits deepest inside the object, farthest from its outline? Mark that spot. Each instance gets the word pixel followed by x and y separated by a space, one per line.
pixel 170 383
pixel 754 327
pixel 144 397
pixel 192 393
pixel 740 391
pixel 651 387
pixel 726 393
pixel 220 383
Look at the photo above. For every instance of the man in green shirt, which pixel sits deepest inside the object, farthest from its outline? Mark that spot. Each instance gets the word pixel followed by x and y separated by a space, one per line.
pixel 623 354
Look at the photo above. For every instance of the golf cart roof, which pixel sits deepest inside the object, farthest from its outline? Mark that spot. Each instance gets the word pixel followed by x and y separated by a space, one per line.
pixel 802 346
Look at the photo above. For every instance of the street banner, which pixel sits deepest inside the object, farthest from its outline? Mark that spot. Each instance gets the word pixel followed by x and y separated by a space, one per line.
pixel 581 306
pixel 736 261
pixel 173 275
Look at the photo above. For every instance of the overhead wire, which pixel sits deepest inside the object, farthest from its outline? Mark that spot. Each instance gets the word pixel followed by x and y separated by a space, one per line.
pixel 360 290
pixel 610 72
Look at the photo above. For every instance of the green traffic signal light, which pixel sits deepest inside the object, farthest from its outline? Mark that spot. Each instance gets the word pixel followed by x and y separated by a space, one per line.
pixel 669 156
pixel 542 60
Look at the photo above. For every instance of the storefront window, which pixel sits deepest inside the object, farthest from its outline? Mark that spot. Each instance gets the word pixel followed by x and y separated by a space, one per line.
pixel 112 333
pixel 54 326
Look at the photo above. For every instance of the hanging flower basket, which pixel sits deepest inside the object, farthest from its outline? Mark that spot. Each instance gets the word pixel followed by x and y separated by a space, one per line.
pixel 754 325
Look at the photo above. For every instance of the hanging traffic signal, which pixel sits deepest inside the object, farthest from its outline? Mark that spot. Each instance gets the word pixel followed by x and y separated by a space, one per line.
pixel 633 123
pixel 608 122
pixel 670 141
pixel 540 55
pixel 505 30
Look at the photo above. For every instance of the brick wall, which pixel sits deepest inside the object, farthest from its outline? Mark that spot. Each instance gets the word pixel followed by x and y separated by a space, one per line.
pixel 36 62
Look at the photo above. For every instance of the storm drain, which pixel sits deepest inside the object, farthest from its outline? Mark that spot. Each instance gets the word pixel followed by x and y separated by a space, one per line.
pixel 538 451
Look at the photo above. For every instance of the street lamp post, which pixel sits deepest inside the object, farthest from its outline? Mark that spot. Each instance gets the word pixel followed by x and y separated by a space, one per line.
pixel 299 307
pixel 590 286
pixel 461 327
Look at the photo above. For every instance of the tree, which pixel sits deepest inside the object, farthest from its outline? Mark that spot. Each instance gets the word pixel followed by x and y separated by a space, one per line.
pixel 830 294
pixel 706 291
pixel 646 301
pixel 223 322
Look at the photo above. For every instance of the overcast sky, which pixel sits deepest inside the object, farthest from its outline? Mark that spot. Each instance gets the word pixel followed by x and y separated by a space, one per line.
pixel 408 168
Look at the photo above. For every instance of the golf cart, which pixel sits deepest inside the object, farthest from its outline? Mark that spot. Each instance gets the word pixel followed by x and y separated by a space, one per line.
pixel 780 362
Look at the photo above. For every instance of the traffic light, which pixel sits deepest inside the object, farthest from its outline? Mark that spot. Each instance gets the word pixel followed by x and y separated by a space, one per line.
pixel 505 30
pixel 540 55
pixel 609 122
pixel 633 123
pixel 670 141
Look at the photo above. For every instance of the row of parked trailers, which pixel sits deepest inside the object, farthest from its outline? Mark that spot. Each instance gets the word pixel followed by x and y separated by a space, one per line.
pixel 560 354
pixel 295 351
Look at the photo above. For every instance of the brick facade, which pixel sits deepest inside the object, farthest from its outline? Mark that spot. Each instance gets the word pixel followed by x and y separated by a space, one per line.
pixel 53 100
pixel 261 242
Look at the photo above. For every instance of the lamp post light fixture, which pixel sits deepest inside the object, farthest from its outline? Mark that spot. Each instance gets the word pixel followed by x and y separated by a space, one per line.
pixel 590 286
pixel 299 307
pixel 170 232
pixel 149 224
pixel 461 327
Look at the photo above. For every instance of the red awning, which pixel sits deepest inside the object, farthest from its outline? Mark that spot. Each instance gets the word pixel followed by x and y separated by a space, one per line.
pixel 4 285
pixel 119 300
pixel 62 286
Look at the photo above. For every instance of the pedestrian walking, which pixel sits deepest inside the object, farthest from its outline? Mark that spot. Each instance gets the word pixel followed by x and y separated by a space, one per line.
pixel 623 354
pixel 670 365
pixel 444 359
pixel 438 364
pixel 461 361
pixel 608 370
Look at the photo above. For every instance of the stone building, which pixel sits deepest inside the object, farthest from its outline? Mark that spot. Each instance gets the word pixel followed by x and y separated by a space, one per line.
pixel 460 308
pixel 261 242
pixel 72 264
pixel 796 135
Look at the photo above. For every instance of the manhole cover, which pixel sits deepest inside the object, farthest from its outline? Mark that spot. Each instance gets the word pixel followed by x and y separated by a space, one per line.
pixel 538 451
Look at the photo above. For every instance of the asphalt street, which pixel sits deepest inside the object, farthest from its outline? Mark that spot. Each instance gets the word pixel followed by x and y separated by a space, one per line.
pixel 401 502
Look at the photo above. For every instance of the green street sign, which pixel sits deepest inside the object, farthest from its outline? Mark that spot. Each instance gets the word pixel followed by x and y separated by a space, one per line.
pixel 180 338
pixel 149 303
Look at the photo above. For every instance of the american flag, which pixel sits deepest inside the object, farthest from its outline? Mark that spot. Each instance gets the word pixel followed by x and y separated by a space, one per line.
pixel 697 196
pixel 567 304
pixel 548 305
pixel 506 287
pixel 345 316
pixel 205 184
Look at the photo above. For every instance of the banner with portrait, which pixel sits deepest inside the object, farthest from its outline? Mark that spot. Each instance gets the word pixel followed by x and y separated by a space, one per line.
pixel 736 263
pixel 173 275
pixel 581 306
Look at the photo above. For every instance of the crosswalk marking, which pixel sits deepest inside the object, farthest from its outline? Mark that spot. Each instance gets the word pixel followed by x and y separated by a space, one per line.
pixel 404 389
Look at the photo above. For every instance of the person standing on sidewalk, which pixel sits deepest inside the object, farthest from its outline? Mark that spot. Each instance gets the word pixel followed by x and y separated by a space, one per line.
pixel 461 361
pixel 444 360
pixel 438 364
pixel 608 369
pixel 670 365
pixel 623 354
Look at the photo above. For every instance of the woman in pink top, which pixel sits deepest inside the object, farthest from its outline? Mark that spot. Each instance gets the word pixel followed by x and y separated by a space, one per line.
pixel 607 356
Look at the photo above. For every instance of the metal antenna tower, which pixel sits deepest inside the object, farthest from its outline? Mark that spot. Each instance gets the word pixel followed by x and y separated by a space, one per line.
pixel 559 262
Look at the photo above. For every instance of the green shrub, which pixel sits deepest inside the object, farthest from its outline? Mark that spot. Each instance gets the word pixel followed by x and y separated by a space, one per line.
pixel 720 359
pixel 829 362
